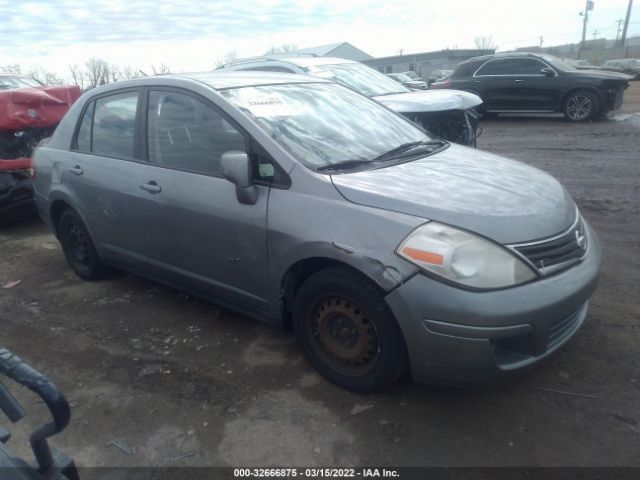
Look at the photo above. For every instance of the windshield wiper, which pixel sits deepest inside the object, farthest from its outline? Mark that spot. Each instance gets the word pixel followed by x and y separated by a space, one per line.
pixel 400 150
pixel 343 164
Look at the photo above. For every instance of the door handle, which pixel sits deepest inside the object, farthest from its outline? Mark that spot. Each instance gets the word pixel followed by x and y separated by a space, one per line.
pixel 77 170
pixel 518 80
pixel 477 81
pixel 151 187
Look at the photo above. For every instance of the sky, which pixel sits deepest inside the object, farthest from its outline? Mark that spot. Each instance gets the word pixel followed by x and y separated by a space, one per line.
pixel 191 35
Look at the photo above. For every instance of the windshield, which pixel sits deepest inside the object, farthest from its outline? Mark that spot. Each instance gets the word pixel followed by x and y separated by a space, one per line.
pixel 630 62
pixel 361 78
pixel 7 83
pixel 322 124
pixel 558 64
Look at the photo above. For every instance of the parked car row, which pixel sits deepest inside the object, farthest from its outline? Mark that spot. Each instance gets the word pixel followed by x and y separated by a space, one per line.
pixel 407 81
pixel 526 82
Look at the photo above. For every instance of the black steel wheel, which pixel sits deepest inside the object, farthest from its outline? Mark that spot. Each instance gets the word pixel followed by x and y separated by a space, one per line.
pixel 78 247
pixel 581 106
pixel 347 332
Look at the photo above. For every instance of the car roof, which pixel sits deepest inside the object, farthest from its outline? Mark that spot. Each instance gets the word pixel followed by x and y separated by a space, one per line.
pixel 299 60
pixel 220 80
pixel 502 55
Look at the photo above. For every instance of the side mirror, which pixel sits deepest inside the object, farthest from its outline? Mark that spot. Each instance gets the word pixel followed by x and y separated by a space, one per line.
pixel 236 167
pixel 547 72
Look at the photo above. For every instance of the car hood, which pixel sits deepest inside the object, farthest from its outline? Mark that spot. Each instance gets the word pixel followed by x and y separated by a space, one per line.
pixel 429 101
pixel 604 74
pixel 502 199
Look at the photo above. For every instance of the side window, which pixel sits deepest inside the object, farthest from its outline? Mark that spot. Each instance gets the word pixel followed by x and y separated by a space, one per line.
pixel 527 66
pixel 496 67
pixel 83 140
pixel 114 122
pixel 512 66
pixel 188 134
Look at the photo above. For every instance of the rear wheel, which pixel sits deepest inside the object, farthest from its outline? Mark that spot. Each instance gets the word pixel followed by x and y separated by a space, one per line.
pixel 78 247
pixel 347 332
pixel 581 106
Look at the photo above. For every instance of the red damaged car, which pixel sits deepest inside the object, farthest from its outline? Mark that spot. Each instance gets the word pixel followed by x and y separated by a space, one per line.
pixel 29 112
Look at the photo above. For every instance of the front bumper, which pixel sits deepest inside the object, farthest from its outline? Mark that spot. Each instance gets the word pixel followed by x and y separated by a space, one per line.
pixel 461 336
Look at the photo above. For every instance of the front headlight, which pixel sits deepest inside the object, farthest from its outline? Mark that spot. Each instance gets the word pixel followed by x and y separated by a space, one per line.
pixel 463 257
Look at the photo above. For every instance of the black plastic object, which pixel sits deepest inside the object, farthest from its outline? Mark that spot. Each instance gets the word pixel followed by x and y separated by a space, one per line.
pixel 18 370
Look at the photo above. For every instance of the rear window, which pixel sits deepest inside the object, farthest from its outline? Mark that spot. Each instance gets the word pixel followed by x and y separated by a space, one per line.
pixel 465 69
pixel 108 126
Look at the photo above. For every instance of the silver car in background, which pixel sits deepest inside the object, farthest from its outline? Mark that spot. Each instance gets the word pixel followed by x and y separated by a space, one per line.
pixel 449 114
pixel 303 203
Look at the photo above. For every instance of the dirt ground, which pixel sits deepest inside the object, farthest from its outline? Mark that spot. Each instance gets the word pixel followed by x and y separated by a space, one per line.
pixel 182 382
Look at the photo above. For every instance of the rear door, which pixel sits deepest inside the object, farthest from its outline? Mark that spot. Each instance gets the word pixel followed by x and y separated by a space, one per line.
pixel 103 174
pixel 202 235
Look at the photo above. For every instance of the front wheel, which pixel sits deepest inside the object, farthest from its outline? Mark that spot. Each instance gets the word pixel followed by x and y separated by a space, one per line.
pixel 347 332
pixel 581 106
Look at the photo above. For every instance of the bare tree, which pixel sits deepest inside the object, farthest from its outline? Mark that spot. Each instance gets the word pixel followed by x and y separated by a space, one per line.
pixel 11 69
pixel 284 48
pixel 45 77
pixel 97 72
pixel 227 58
pixel 485 43
pixel 129 72
pixel 77 76
pixel 160 69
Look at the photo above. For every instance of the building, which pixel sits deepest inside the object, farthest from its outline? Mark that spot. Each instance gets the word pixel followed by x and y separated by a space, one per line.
pixel 340 50
pixel 424 63
pixel 596 51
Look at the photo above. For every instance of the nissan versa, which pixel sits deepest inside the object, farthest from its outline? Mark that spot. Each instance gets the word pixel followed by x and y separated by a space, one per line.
pixel 301 202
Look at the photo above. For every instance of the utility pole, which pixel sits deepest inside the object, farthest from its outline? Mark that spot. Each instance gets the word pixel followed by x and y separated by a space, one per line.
pixel 595 34
pixel 587 8
pixel 619 22
pixel 541 40
pixel 626 24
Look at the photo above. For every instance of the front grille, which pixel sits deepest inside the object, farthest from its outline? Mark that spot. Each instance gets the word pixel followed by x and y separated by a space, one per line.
pixel 558 252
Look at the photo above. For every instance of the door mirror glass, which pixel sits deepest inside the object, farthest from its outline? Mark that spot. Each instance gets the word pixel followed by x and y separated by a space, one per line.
pixel 547 72
pixel 236 167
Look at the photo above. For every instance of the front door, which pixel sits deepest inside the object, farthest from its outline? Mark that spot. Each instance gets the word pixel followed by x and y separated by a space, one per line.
pixel 203 235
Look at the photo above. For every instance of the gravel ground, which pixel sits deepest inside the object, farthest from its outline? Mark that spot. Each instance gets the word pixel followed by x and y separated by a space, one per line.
pixel 182 382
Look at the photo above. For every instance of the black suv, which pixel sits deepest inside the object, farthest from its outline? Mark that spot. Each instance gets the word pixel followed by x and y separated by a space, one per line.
pixel 527 82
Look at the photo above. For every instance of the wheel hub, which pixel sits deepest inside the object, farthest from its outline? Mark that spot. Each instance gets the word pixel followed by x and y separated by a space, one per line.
pixel 79 247
pixel 579 107
pixel 344 333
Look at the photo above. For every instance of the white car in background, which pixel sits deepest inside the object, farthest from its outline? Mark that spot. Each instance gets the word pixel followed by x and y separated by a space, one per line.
pixel 448 114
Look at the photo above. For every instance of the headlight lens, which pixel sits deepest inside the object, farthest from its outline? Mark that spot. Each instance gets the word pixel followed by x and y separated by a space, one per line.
pixel 463 257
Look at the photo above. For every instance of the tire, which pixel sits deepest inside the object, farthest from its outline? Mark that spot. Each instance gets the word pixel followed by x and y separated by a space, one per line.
pixel 347 331
pixel 78 247
pixel 581 106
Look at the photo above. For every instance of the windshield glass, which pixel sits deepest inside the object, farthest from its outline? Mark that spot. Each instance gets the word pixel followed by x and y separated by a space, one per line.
pixel 361 78
pixel 322 124
pixel 558 64
pixel 17 82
